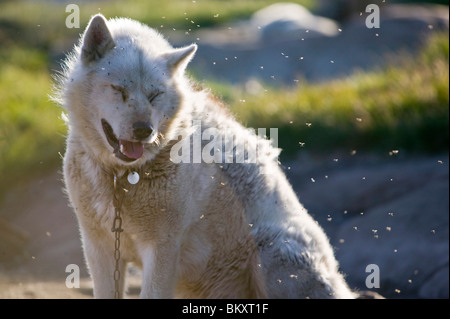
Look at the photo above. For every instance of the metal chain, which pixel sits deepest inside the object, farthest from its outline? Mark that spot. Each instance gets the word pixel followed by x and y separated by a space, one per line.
pixel 119 193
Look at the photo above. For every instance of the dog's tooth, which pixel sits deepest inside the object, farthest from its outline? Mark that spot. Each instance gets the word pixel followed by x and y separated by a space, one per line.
pixel 121 148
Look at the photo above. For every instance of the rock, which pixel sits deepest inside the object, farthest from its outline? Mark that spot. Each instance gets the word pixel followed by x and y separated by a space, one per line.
pixel 435 286
pixel 406 236
pixel 431 16
pixel 408 246
pixel 350 187
pixel 391 213
pixel 289 20
pixel 342 9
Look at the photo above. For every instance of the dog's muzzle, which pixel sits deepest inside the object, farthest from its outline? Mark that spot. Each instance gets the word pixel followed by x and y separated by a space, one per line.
pixel 128 151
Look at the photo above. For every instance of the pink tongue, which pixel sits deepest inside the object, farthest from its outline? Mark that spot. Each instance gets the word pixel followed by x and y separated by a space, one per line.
pixel 132 150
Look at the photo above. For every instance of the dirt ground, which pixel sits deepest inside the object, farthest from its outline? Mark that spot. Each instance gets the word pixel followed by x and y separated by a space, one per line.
pixel 40 216
pixel 39 239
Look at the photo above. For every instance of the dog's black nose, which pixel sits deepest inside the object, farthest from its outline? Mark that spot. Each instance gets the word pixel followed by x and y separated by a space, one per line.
pixel 142 130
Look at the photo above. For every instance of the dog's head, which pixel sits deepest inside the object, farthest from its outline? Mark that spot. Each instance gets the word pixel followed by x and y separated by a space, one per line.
pixel 123 87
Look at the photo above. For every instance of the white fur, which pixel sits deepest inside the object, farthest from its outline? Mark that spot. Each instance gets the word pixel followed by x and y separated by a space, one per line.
pixel 219 230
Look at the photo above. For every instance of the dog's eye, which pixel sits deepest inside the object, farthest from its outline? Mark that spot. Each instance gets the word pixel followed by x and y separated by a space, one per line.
pixel 121 90
pixel 152 96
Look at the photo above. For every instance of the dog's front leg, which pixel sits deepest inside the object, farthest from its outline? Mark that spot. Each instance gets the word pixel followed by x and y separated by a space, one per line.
pixel 99 253
pixel 159 276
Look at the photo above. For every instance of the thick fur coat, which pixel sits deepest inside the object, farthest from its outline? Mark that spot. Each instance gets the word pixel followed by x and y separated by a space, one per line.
pixel 214 228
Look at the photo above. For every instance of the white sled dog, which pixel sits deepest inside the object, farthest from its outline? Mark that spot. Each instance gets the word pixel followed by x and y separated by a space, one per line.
pixel 198 229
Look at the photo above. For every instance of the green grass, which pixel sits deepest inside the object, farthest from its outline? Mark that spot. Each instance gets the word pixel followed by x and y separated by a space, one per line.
pixel 405 107
pixel 31 134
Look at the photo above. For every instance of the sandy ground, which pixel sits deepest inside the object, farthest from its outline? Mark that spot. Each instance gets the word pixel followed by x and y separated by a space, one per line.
pixel 40 212
pixel 46 241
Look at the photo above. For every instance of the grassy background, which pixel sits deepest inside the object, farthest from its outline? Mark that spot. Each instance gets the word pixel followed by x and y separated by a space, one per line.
pixel 402 107
pixel 31 133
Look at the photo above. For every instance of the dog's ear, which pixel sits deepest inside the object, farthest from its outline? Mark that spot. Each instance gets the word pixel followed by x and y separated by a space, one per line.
pixel 178 59
pixel 97 40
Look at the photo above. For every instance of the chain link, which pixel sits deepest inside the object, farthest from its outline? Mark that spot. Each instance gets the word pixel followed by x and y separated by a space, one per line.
pixel 119 193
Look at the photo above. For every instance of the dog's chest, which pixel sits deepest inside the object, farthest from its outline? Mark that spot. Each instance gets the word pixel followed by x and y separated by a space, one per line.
pixel 147 196
pixel 148 204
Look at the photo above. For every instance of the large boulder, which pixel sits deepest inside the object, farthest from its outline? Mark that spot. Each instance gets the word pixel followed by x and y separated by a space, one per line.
pixel 289 20
pixel 407 238
pixel 392 213
pixel 342 10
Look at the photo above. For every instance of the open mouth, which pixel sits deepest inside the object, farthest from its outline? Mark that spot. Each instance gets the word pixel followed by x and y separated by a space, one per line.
pixel 127 151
